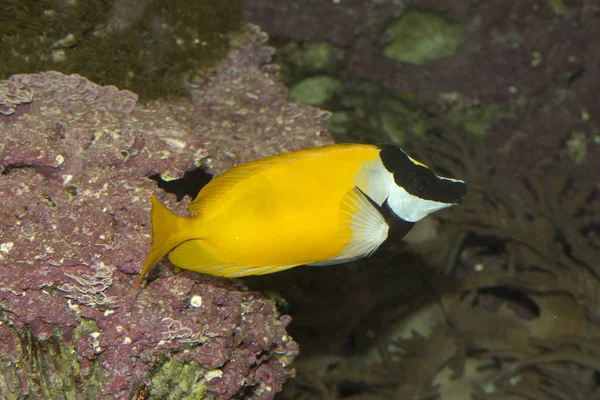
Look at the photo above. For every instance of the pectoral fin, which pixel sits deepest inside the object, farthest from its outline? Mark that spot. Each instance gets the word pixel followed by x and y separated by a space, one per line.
pixel 361 218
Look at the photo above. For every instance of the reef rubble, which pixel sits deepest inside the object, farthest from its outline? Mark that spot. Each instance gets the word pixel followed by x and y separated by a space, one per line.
pixel 75 159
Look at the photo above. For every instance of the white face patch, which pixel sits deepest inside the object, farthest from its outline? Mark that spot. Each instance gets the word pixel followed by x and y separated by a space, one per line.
pixel 374 180
pixel 380 185
pixel 411 208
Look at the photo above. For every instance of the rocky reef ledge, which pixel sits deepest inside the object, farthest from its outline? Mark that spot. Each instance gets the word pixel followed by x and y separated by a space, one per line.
pixel 75 159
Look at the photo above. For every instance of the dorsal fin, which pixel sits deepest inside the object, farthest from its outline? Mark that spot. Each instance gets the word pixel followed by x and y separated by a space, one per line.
pixel 222 183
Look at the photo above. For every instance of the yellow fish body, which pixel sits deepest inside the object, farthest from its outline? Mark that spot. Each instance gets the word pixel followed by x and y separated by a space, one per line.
pixel 317 206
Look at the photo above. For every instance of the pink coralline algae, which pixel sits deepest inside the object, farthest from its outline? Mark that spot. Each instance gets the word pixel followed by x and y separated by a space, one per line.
pixel 75 228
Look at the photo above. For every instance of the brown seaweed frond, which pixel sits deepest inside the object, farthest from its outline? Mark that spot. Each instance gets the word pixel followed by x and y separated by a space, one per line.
pixel 417 360
pixel 548 225
pixel 539 241
pixel 546 240
pixel 567 202
pixel 332 378
pixel 561 371
pixel 584 353
pixel 518 268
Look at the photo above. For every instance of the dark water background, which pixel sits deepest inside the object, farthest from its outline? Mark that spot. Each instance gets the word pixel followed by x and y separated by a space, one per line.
pixel 494 299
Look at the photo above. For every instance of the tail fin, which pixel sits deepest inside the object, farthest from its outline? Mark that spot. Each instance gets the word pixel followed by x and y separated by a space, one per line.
pixel 168 231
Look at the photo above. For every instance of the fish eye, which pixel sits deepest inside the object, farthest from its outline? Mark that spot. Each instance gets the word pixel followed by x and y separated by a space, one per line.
pixel 421 184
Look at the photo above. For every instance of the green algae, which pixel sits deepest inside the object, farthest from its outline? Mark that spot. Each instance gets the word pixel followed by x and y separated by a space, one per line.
pixel 85 327
pixel 149 48
pixel 474 118
pixel 47 368
pixel 365 111
pixel 420 36
pixel 315 90
pixel 339 121
pixel 299 60
pixel 564 8
pixel 177 379
pixel 308 69
pixel 577 147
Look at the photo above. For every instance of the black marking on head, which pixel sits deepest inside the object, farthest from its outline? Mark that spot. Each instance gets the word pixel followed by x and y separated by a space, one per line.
pixel 419 180
pixel 397 227
pixel 190 184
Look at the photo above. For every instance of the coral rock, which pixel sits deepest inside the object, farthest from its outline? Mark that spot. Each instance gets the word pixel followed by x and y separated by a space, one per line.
pixel 75 228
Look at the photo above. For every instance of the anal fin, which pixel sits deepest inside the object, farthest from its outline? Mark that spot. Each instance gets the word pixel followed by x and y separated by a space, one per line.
pixel 239 271
pixel 197 255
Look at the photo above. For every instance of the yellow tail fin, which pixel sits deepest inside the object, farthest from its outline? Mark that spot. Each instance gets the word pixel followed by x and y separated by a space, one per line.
pixel 168 231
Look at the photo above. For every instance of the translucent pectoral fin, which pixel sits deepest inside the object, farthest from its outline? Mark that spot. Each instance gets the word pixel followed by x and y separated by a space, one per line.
pixel 362 221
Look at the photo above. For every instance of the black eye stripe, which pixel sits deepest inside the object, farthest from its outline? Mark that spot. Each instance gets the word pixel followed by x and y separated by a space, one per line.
pixel 407 174
pixel 421 184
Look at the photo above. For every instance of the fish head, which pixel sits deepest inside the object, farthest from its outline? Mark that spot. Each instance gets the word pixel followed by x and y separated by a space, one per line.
pixel 414 190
